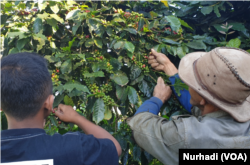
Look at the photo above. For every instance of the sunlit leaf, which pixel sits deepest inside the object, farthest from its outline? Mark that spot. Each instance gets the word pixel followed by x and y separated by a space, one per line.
pixel 98 110
pixel 234 43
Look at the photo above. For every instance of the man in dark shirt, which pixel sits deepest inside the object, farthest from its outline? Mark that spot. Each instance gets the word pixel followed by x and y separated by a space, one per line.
pixel 26 99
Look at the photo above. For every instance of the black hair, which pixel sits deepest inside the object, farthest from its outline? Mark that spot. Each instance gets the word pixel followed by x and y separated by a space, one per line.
pixel 25 84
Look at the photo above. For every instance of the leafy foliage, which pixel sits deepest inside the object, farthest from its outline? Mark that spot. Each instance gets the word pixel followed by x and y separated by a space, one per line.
pixel 97 52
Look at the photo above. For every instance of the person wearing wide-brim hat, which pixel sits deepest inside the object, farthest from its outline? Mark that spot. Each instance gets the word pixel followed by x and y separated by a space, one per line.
pixel 219 85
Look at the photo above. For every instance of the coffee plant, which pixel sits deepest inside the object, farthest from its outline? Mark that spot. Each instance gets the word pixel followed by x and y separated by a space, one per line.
pixel 97 53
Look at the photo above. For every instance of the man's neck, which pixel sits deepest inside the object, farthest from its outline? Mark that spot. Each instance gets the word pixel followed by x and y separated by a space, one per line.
pixel 34 122
pixel 209 109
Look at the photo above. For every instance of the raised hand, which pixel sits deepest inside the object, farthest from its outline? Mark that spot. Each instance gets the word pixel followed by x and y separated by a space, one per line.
pixel 66 113
pixel 162 91
pixel 161 62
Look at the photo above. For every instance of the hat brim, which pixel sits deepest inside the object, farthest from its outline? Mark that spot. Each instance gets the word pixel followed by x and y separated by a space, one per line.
pixel 240 112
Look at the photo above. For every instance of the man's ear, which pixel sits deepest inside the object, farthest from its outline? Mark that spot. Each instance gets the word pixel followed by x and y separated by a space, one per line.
pixel 203 102
pixel 48 104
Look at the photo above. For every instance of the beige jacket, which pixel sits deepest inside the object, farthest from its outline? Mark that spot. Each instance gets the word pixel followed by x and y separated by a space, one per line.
pixel 163 138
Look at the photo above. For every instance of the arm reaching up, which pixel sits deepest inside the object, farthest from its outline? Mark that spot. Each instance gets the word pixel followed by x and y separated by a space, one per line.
pixel 161 62
pixel 68 114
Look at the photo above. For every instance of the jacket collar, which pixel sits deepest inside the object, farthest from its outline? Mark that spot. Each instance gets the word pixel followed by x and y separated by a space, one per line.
pixel 216 114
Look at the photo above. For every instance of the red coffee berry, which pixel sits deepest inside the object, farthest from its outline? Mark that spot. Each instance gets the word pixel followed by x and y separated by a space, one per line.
pixel 101 57
pixel 59 122
pixel 87 36
pixel 143 65
pixel 57 70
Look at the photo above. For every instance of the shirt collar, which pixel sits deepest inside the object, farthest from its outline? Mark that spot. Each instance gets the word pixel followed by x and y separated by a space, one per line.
pixel 19 132
pixel 216 114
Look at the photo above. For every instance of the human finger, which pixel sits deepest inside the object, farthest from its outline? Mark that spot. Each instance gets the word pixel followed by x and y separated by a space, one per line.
pixel 151 57
pixel 152 61
pixel 153 65
pixel 155 53
pixel 160 81
pixel 159 68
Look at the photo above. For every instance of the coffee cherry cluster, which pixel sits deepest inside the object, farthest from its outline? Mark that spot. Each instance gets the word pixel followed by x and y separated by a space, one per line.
pixel 109 68
pixel 94 88
pixel 99 92
pixel 55 77
pixel 87 81
pixel 109 101
pixel 22 12
pixel 101 58
pixel 106 88
pixel 132 17
pixel 142 64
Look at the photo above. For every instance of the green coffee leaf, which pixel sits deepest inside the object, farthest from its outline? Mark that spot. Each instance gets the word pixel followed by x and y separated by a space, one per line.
pixel 216 10
pixel 55 8
pixel 98 42
pixel 136 153
pixel 70 86
pixel 121 93
pixel 95 74
pixel 42 5
pixel 131 30
pixel 58 100
pixel 174 22
pixel 137 80
pixel 72 14
pixel 119 78
pixel 179 85
pixel 144 88
pixel 132 95
pixel 234 43
pixel 119 45
pixel 135 72
pixel 66 66
pixel 98 110
pixel 21 43
pixel 140 24
pixel 129 46
pixel 4 18
pixel 197 44
pixel 169 41
pixel 107 113
pixel 56 17
pixel 89 43
pixel 38 25
pixel 206 10
pixel 183 23
pixel 68 101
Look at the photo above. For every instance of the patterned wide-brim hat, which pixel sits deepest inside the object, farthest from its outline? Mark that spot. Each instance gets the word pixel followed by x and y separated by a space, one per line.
pixel 222 77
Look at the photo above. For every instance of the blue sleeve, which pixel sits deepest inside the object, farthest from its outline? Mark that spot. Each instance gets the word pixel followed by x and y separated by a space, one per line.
pixel 152 105
pixel 185 95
